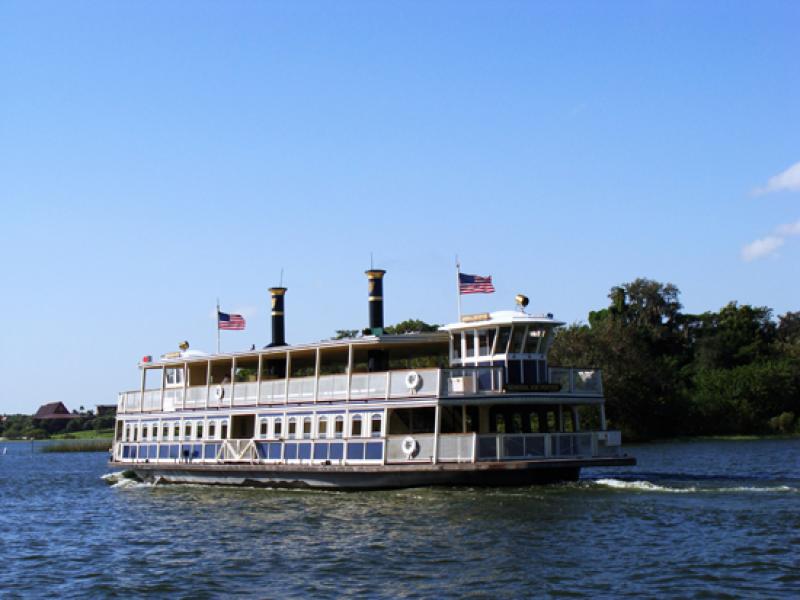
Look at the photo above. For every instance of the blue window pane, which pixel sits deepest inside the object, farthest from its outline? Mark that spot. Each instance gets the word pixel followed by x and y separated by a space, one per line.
pixel 337 450
pixel 355 451
pixel 153 453
pixel 275 450
pixel 262 449
pixel 374 451
pixel 211 450
pixel 174 451
pixel 126 452
pixel 305 450
pixel 321 451
pixel 163 452
pixel 290 451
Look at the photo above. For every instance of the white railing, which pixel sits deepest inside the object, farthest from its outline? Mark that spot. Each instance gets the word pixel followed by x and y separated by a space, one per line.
pixel 471 381
pixel 332 387
pixel 301 389
pixel 577 381
pixel 421 452
pixel 459 447
pixel 272 391
pixel 444 383
pixel 245 393
pixel 548 445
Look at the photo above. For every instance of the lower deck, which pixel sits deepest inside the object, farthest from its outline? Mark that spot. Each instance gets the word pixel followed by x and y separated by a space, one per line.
pixel 409 449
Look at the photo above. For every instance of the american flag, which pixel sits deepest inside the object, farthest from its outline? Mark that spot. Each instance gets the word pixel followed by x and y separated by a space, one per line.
pixel 474 284
pixel 229 321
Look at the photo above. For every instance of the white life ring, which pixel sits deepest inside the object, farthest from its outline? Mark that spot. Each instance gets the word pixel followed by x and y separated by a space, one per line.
pixel 413 381
pixel 219 392
pixel 410 447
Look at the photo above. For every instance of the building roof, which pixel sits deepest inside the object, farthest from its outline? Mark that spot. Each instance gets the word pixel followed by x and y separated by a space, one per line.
pixel 54 410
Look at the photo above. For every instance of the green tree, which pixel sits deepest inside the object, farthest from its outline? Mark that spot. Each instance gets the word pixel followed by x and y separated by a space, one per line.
pixel 410 326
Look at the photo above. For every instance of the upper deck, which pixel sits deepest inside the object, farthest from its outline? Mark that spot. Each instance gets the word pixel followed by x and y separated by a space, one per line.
pixel 490 356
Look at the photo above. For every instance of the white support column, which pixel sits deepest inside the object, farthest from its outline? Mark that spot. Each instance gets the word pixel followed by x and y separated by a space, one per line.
pixel 142 388
pixel 233 378
pixel 208 382
pixel 349 369
pixel 185 382
pixel 317 360
pixel 163 384
pixel 288 373
pixel 436 429
pixel 258 379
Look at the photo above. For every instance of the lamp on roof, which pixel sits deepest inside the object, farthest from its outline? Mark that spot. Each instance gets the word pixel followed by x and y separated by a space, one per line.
pixel 522 301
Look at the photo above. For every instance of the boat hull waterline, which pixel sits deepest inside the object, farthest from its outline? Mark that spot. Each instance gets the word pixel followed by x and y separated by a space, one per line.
pixel 369 477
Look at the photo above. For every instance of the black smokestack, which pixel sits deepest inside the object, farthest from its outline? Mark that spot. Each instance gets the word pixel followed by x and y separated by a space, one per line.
pixel 375 277
pixel 278 323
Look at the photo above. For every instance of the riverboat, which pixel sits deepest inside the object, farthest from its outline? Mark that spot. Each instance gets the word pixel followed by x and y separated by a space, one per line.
pixel 474 403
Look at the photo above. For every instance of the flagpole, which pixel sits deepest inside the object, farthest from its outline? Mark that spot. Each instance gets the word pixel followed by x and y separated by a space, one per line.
pixel 458 287
pixel 217 325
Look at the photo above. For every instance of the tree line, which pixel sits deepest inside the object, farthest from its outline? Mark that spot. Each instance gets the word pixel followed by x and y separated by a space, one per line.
pixel 669 373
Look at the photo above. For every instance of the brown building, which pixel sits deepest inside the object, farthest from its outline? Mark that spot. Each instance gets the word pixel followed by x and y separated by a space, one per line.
pixel 54 412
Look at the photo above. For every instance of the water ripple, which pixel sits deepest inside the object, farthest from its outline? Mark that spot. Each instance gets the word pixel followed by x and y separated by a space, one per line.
pixel 699 520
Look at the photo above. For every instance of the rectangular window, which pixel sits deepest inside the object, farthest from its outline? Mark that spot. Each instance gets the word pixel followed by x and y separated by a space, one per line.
pixel 376 426
pixel 199 431
pixel 211 429
pixel 278 428
pixel 177 431
pixel 322 427
pixel 224 431
pixel 307 428
pixel 535 336
pixel 502 340
pixel 187 430
pixel 264 426
pixel 355 429
pixel 483 342
pixel 339 431
pixel 456 345
pixel 165 432
pixel 517 339
pixel 469 337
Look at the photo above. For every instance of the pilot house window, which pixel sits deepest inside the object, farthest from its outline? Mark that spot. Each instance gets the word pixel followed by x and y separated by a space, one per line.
pixel 355 429
pixel 456 345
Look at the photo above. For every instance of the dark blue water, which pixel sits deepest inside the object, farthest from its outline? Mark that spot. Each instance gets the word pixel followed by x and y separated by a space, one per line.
pixel 697 519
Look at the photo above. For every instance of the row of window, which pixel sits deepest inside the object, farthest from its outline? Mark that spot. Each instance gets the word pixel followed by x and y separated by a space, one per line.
pixel 327 426
pixel 519 339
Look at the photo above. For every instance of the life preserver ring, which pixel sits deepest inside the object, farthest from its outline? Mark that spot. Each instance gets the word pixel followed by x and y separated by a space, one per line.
pixel 410 447
pixel 413 381
pixel 219 392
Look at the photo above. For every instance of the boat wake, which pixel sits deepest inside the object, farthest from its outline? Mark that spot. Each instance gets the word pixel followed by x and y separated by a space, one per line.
pixel 648 486
pixel 119 479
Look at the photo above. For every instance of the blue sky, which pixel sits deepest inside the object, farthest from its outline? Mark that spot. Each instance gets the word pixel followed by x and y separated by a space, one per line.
pixel 157 155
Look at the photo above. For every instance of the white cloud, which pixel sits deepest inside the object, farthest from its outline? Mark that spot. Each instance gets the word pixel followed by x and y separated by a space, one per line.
pixel 785 181
pixel 789 229
pixel 762 248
